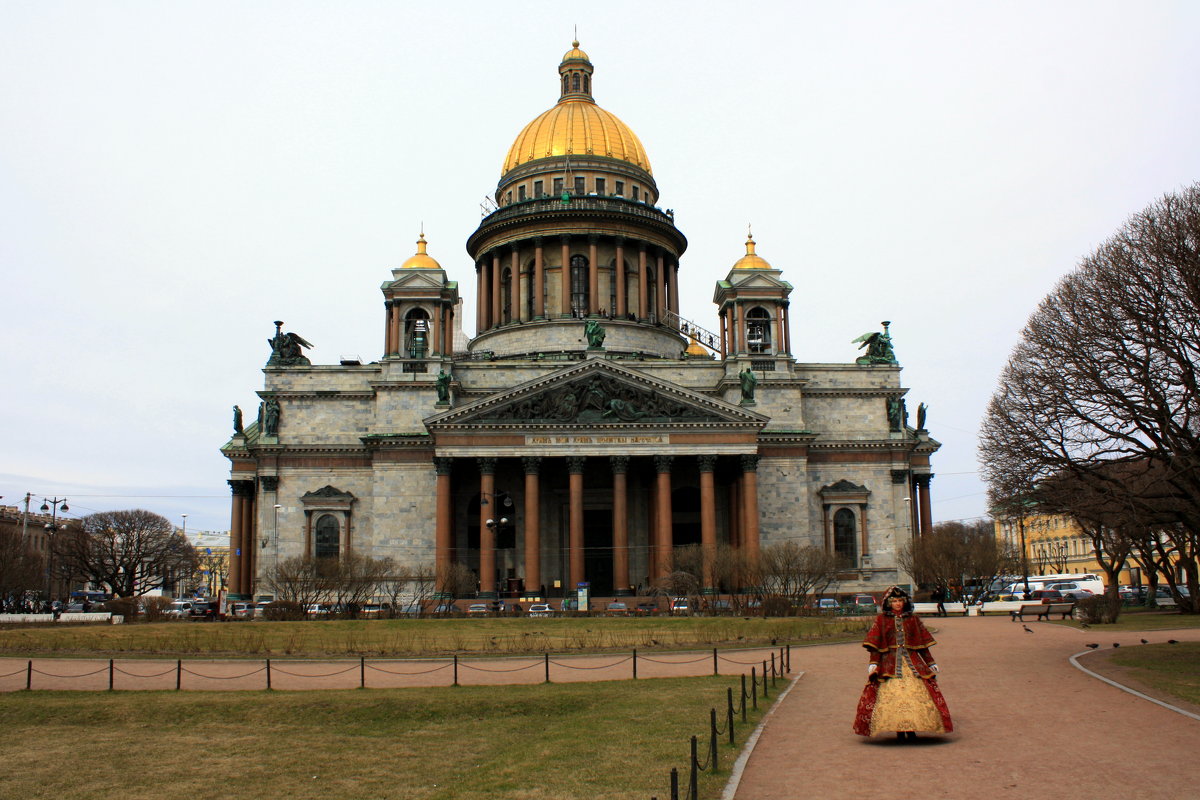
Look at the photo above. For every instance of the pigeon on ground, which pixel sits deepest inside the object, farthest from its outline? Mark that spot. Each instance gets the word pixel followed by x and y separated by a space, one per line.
pixel 1116 644
pixel 1027 629
pixel 1172 641
pixel 1144 641
pixel 1093 645
pixel 1085 626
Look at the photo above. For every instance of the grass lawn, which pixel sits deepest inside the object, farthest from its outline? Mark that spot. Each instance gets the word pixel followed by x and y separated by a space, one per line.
pixel 606 740
pixel 1148 620
pixel 1171 668
pixel 416 637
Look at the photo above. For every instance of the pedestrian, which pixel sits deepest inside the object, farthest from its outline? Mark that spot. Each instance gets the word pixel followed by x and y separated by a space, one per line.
pixel 902 693
pixel 939 597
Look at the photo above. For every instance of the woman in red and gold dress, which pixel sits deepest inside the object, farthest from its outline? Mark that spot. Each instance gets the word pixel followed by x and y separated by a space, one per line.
pixel 902 693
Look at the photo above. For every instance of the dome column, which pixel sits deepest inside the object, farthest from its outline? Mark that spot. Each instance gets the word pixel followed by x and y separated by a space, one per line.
pixel 564 278
pixel 575 465
pixel 708 522
pixel 483 298
pixel 620 531
pixel 539 280
pixel 619 277
pixel 487 533
pixel 593 277
pixel 664 534
pixel 497 300
pixel 520 289
pixel 660 289
pixel 674 295
pixel 643 286
pixel 533 534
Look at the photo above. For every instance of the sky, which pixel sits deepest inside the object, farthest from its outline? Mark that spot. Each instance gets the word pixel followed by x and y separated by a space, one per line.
pixel 175 176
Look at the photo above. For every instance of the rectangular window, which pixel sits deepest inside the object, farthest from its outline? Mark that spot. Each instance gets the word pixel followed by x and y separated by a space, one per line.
pixel 635 193
pixel 600 186
pixel 580 188
pixel 558 186
pixel 620 189
pixel 537 188
pixel 521 192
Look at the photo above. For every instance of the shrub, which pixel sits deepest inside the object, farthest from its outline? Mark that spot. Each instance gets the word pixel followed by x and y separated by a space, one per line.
pixel 155 607
pixel 125 606
pixel 1098 609
pixel 284 611
pixel 776 606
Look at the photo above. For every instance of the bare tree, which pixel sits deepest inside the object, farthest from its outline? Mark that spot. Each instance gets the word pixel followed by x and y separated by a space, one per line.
pixel 415 585
pixel 21 567
pixel 300 580
pixel 358 579
pixel 960 558
pixel 130 552
pixel 798 573
pixel 1107 373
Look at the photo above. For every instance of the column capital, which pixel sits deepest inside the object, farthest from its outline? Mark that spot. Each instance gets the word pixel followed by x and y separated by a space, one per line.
pixel 575 464
pixel 922 480
pixel 532 464
pixel 620 464
pixel 443 466
pixel 593 238
pixel 749 462
pixel 487 466
pixel 663 463
pixel 269 483
pixel 241 488
pixel 565 238
pixel 707 462
pixel 537 240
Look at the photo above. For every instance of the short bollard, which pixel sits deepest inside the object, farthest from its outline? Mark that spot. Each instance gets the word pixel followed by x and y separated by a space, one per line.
pixel 695 772
pixel 110 674
pixel 743 700
pixel 635 663
pixel 712 738
pixel 29 676
pixel 547 663
pixel 716 671
pixel 674 783
pixel 178 674
pixel 362 672
pixel 754 687
pixel 729 712
pixel 765 694
pixel 773 670
pixel 456 669
pixel 268 674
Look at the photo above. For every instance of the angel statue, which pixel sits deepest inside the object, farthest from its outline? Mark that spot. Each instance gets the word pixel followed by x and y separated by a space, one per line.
pixel 285 348
pixel 879 347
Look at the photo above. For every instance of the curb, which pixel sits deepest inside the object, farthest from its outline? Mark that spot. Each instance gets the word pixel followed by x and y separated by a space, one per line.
pixel 739 766
pixel 1125 688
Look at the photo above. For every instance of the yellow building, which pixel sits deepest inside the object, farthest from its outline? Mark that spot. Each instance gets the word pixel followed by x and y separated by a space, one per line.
pixel 1054 543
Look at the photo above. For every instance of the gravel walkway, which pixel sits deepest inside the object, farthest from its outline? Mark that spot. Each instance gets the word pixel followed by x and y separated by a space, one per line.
pixel 1028 725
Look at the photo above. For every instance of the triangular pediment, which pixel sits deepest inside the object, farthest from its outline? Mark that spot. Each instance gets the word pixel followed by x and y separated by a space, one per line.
pixel 421 279
pixel 597 392
pixel 758 280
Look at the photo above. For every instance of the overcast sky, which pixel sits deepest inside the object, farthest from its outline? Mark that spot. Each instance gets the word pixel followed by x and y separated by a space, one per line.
pixel 176 175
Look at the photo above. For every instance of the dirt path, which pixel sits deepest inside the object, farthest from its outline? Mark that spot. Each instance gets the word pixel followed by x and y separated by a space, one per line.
pixel 1028 724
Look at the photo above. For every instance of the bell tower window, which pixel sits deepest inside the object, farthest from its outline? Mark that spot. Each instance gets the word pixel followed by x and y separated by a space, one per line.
pixel 416 333
pixel 758 330
pixel 579 286
pixel 575 82
pixel 506 285
pixel 844 536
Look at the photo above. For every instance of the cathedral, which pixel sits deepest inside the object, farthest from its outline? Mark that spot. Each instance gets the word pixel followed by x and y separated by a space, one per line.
pixel 590 427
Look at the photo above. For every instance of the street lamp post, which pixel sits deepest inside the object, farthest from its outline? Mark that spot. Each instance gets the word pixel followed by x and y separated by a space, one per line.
pixel 52 505
pixel 495 525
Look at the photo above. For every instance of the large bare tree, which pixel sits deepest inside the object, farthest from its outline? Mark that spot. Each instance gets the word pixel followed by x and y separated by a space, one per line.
pixel 962 558
pixel 21 567
pixel 130 552
pixel 1106 373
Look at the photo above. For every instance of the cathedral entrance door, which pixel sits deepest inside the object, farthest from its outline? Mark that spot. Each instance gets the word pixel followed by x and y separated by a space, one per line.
pixel 598 550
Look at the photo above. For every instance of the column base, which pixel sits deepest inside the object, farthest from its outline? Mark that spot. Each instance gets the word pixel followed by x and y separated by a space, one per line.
pixel 623 593
pixel 487 595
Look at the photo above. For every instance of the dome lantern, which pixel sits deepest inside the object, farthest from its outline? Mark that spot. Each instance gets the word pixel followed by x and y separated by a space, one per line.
pixel 576 72
pixel 421 260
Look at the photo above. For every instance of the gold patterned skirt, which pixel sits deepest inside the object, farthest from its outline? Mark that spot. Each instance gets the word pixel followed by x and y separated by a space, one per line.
pixel 904 703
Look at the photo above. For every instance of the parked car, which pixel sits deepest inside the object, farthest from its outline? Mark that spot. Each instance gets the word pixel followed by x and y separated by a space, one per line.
pixel 447 608
pixel 317 610
pixel 1070 591
pixel 827 604
pixel 242 610
pixel 617 609
pixel 646 609
pixel 1046 596
pixel 718 607
pixel 179 609
pixel 477 610
pixel 863 604
pixel 540 610
pixel 680 605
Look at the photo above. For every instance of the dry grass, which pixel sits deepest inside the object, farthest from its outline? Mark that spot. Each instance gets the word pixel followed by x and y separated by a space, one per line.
pixel 417 637
pixel 1173 669
pixel 561 741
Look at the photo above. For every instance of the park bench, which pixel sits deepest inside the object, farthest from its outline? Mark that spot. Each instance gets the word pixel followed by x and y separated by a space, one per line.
pixel 1042 610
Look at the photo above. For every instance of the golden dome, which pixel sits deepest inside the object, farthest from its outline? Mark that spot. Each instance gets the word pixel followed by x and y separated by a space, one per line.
pixel 575 53
pixel 695 349
pixel 751 260
pixel 576 127
pixel 421 260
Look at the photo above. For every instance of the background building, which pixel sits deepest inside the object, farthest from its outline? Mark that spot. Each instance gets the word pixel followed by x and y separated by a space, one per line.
pixel 591 426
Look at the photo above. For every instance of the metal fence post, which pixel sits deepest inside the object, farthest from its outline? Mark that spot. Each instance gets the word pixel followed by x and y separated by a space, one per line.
pixel 635 663
pixel 765 692
pixel 754 687
pixel 674 783
pixel 693 790
pixel 268 674
pixel 743 700
pixel 712 738
pixel 456 669
pixel 178 673
pixel 29 676
pixel 729 711
pixel 547 662
pixel 716 671
pixel 362 672
pixel 773 672
pixel 110 674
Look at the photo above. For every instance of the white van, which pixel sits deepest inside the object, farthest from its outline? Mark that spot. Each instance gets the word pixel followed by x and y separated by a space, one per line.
pixel 1082 580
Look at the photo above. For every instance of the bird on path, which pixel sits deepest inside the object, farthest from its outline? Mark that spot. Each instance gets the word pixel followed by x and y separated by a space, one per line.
pixel 1093 645
pixel 1144 641
pixel 1085 626
pixel 1116 644
pixel 1172 641
pixel 1027 629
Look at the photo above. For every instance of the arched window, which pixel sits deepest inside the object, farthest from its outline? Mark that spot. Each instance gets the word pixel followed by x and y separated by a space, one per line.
pixel 844 536
pixel 327 544
pixel 579 286
pixel 575 82
pixel 566 84
pixel 506 287
pixel 758 330
pixel 531 277
pixel 416 333
pixel 587 87
pixel 651 295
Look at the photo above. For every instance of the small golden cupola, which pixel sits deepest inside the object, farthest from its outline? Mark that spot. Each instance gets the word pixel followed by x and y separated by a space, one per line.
pixel 421 259
pixel 576 72
pixel 751 260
